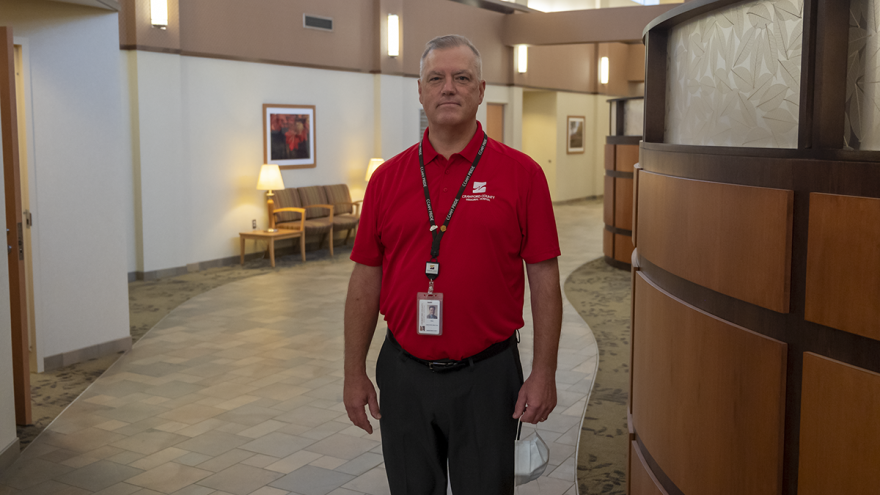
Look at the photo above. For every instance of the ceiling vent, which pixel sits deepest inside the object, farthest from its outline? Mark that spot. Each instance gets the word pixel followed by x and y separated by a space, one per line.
pixel 316 22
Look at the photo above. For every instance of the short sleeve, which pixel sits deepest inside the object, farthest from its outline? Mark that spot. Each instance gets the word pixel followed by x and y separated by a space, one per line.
pixel 540 239
pixel 368 248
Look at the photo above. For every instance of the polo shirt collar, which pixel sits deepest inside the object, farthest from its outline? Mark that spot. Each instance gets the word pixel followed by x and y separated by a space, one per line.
pixel 469 152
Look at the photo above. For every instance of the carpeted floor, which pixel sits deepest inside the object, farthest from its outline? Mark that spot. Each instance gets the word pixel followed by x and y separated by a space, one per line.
pixel 601 295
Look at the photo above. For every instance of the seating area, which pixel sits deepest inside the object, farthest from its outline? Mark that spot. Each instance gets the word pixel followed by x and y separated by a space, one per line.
pixel 317 210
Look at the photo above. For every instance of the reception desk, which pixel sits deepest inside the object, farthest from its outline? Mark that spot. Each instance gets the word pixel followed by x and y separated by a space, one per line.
pixel 756 270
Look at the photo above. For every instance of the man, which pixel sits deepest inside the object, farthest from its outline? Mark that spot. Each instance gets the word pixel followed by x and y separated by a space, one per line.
pixel 452 391
pixel 432 312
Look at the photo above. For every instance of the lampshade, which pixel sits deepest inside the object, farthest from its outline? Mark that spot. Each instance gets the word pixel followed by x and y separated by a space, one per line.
pixel 372 166
pixel 270 178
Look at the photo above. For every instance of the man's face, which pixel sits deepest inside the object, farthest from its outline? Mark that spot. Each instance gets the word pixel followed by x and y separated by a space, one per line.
pixel 430 310
pixel 449 90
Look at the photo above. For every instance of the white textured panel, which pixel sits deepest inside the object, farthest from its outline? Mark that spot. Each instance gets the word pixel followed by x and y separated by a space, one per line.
pixel 734 77
pixel 634 117
pixel 863 70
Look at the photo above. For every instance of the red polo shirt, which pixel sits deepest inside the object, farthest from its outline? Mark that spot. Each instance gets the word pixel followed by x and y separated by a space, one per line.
pixel 504 217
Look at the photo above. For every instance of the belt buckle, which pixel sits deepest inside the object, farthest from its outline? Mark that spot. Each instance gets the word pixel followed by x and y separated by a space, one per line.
pixel 439 366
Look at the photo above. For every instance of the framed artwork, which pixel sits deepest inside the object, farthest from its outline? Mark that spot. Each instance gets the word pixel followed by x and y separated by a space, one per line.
pixel 575 143
pixel 289 135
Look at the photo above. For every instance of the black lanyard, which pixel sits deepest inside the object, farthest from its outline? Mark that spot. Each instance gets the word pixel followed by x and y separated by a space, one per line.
pixel 435 232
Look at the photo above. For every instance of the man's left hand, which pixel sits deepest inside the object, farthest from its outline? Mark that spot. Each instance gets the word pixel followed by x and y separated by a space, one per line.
pixel 537 398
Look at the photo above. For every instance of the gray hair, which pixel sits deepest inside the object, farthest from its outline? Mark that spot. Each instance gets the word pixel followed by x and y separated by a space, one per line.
pixel 451 41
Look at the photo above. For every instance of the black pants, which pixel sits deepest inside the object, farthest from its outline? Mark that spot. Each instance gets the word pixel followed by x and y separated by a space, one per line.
pixel 463 417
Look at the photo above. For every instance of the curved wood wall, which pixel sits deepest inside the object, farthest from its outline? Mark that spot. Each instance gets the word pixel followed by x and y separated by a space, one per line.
pixel 756 275
pixel 621 156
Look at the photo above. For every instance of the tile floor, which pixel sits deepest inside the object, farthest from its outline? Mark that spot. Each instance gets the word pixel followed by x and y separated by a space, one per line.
pixel 239 391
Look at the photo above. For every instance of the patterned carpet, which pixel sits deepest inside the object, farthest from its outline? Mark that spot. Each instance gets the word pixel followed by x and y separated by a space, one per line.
pixel 601 295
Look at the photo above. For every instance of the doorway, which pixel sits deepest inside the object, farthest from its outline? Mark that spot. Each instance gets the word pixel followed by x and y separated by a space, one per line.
pixel 495 121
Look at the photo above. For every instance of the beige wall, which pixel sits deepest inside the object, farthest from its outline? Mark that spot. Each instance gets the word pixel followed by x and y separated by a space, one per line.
pixel 561 67
pixel 540 133
pixel 580 26
pixel 426 19
pixel 626 69
pixel 273 33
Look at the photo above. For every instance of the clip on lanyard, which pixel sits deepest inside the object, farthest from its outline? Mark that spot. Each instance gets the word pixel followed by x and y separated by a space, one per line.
pixel 432 269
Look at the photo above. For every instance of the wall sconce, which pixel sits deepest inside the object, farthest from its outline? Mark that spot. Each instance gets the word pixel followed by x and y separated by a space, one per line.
pixel 372 166
pixel 159 13
pixel 270 178
pixel 603 70
pixel 522 58
pixel 393 35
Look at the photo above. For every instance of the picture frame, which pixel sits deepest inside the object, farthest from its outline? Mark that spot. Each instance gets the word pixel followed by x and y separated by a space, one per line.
pixel 575 134
pixel 289 136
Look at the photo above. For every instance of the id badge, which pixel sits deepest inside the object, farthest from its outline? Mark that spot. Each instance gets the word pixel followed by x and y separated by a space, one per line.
pixel 430 311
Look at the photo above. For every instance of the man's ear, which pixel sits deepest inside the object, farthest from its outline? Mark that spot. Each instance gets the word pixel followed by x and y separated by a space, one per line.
pixel 482 90
pixel 419 82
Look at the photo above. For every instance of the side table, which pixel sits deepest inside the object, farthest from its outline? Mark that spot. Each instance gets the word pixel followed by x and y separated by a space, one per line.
pixel 271 237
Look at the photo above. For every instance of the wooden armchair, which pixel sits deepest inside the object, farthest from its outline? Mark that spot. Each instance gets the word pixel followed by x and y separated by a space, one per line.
pixel 319 213
pixel 294 225
pixel 347 211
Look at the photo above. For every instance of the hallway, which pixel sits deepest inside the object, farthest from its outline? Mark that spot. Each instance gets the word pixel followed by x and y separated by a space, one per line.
pixel 239 391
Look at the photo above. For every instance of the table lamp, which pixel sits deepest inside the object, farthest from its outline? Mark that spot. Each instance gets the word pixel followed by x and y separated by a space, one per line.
pixel 270 178
pixel 372 166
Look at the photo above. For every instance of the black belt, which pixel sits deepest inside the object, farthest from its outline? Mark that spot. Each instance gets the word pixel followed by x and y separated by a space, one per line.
pixel 443 365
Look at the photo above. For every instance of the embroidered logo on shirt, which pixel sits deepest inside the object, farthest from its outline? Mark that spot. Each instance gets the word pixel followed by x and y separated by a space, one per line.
pixel 479 187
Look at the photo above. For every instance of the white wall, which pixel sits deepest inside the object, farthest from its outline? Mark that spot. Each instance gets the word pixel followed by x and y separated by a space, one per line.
pixel 8 433
pixel 76 172
pixel 200 133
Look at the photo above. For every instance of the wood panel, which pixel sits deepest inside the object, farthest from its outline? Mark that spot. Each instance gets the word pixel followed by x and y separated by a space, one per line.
pixel 843 263
pixel 708 397
pixel 732 239
pixel 641 480
pixel 609 156
pixel 495 121
pixel 840 434
pixel 626 156
pixel 608 243
pixel 635 208
pixel 623 203
pixel 623 248
pixel 608 209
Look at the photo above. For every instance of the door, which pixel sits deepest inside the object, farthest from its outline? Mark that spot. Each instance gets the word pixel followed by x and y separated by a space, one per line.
pixel 495 121
pixel 14 229
pixel 26 209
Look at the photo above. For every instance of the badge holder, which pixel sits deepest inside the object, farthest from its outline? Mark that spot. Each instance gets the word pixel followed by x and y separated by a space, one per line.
pixel 430 305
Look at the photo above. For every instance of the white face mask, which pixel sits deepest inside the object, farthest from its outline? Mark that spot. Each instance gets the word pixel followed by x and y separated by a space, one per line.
pixel 530 458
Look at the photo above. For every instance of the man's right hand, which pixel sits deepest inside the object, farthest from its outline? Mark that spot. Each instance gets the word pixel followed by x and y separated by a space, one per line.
pixel 357 392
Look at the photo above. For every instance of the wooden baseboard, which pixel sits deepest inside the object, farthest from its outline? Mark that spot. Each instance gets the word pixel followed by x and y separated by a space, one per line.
pixel 57 361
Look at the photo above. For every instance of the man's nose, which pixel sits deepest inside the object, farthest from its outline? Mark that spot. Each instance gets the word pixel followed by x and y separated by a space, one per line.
pixel 448 85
